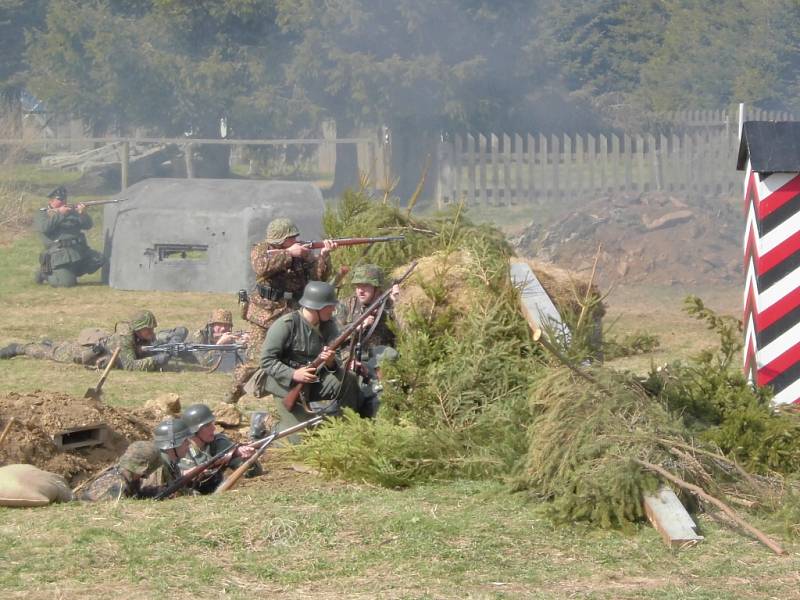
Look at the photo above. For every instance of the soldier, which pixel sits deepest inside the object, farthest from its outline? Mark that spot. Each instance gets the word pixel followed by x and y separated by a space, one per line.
pixel 124 480
pixel 66 254
pixel 282 266
pixel 206 443
pixel 295 340
pixel 374 341
pixel 171 437
pixel 218 330
pixel 95 346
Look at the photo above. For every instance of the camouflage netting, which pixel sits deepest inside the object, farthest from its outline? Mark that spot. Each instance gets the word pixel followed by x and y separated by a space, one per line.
pixel 473 396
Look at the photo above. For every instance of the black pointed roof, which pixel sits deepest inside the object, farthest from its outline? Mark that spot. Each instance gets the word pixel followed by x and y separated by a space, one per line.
pixel 773 146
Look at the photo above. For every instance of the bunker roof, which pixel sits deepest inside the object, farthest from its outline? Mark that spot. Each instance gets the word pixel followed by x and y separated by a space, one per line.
pixel 772 146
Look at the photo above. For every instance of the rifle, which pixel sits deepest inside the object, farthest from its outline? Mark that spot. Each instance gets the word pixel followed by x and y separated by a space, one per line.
pixel 221 460
pixel 290 398
pixel 234 477
pixel 354 241
pixel 175 348
pixel 92 203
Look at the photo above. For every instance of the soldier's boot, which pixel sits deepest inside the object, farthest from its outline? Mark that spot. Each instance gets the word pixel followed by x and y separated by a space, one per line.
pixel 11 351
pixel 39 277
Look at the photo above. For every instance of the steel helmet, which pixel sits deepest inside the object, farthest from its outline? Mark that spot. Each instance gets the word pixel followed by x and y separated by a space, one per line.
pixel 141 458
pixel 368 274
pixel 196 416
pixel 143 319
pixel 171 433
pixel 279 230
pixel 317 295
pixel 222 316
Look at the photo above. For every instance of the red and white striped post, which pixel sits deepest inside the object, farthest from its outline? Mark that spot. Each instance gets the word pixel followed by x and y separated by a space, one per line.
pixel 769 154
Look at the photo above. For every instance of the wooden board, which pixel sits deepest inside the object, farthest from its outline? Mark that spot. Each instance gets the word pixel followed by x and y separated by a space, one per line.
pixel 669 517
pixel 538 308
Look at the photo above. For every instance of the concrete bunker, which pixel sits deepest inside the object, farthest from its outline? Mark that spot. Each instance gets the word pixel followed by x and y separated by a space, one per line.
pixel 196 234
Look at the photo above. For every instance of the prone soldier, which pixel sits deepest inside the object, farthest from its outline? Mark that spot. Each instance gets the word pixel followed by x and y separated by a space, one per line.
pixel 66 254
pixel 124 480
pixel 171 438
pixel 205 443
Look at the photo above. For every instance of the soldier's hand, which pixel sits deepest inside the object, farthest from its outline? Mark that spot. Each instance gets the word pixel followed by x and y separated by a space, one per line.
pixel 367 322
pixel 63 210
pixel 227 338
pixel 329 245
pixel 245 452
pixel 79 208
pixel 297 251
pixel 395 293
pixel 328 355
pixel 305 375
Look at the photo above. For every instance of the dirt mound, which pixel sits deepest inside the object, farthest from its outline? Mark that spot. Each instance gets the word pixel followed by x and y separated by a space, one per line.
pixel 40 415
pixel 654 238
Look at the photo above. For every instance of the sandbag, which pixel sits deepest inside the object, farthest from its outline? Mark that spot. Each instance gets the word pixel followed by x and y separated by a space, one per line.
pixel 26 485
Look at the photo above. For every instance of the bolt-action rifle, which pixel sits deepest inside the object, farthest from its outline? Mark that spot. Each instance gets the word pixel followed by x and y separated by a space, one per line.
pixel 290 398
pixel 354 241
pixel 91 203
pixel 223 459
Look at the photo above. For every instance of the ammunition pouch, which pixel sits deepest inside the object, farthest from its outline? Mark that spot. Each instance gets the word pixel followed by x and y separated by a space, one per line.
pixel 44 264
pixel 276 295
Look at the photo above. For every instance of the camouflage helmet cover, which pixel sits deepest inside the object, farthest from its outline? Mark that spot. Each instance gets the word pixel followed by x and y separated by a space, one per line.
pixel 279 230
pixel 142 320
pixel 141 458
pixel 196 416
pixel 59 193
pixel 222 316
pixel 368 274
pixel 318 295
pixel 171 433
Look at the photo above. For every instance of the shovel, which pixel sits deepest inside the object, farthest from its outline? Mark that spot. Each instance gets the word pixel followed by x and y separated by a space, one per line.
pixel 96 391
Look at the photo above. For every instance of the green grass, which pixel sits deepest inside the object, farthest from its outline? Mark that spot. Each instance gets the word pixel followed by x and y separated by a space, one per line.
pixel 294 535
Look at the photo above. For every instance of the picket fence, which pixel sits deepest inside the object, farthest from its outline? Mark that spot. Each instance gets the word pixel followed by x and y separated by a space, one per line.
pixel 697 160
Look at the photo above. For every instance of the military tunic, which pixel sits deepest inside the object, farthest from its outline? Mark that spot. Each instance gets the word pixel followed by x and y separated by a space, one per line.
pixel 281 278
pixel 202 453
pixel 131 357
pixel 350 309
pixel 292 342
pixel 113 485
pixel 165 475
pixel 66 254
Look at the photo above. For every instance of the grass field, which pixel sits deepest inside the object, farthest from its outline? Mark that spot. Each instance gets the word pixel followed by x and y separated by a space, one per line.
pixel 294 535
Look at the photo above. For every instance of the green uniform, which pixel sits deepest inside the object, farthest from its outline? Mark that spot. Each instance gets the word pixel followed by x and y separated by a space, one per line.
pixel 350 309
pixel 66 254
pixel 167 473
pixel 131 357
pixel 292 342
pixel 199 454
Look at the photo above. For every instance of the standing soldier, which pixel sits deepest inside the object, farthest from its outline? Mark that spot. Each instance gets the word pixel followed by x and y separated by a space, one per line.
pixel 66 254
pixel 282 266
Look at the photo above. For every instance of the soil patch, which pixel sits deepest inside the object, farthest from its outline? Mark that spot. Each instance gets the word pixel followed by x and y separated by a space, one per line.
pixel 652 237
pixel 40 415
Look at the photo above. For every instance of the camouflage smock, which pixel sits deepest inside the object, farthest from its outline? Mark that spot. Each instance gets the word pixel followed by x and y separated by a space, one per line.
pixel 130 358
pixel 351 308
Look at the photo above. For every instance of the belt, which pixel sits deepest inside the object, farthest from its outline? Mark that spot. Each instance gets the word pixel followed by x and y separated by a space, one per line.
pixel 65 243
pixel 275 295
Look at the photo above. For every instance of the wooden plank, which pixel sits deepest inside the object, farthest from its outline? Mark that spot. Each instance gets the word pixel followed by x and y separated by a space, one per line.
pixel 494 187
pixel 579 166
pixel 641 168
pixel 484 199
pixel 532 160
pixel 536 305
pixel 458 176
pixel 506 196
pixel 543 154
pixel 627 157
pixel 471 196
pixel 555 157
pixel 519 195
pixel 666 513
pixel 591 161
pixel 603 164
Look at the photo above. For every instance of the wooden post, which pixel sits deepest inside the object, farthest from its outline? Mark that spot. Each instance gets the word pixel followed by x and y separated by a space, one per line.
pixel 187 155
pixel 457 178
pixel 482 169
pixel 603 163
pixel 124 164
pixel 471 196
pixel 641 170
pixel 531 187
pixel 627 157
pixel 591 159
pixel 555 156
pixel 543 154
pixel 579 169
pixel 520 163
pixel 443 180
pixel 506 170
pixel 616 180
pixel 494 148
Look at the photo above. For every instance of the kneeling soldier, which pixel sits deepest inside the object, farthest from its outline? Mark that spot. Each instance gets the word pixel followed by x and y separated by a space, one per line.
pixel 293 342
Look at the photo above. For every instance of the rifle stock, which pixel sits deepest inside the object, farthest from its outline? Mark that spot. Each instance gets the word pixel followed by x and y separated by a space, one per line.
pixel 234 477
pixel 291 398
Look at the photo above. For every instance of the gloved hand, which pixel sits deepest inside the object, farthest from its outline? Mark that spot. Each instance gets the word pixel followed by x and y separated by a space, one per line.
pixel 161 359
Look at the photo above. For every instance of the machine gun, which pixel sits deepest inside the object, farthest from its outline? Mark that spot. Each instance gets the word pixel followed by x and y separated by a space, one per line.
pixel 175 348
pixel 91 203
